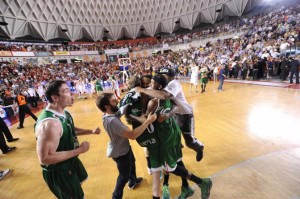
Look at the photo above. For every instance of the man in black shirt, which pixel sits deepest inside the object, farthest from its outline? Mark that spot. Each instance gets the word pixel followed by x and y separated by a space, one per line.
pixel 294 64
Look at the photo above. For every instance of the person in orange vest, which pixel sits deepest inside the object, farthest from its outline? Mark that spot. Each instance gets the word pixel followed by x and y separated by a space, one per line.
pixel 23 109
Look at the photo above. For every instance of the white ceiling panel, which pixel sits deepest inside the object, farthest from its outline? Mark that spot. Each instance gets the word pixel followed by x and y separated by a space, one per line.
pixel 122 18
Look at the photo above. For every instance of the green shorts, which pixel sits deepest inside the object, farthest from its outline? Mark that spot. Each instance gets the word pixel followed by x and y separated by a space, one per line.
pixel 155 159
pixel 171 156
pixel 66 183
pixel 171 152
pixel 204 80
pixel 99 88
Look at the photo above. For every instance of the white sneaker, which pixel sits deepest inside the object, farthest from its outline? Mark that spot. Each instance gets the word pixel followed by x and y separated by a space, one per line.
pixel 4 173
pixel 149 171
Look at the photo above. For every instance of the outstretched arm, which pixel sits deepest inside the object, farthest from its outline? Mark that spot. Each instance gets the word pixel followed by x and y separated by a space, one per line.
pixel 80 131
pixel 133 134
pixel 154 93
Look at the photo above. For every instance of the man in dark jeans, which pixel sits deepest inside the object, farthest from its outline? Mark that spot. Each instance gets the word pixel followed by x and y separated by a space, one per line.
pixel 119 148
pixel 3 146
pixel 255 70
pixel 294 64
pixel 4 130
pixel 284 66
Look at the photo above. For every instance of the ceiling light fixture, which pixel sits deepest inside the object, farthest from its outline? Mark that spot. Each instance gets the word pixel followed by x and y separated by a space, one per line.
pixel 3 23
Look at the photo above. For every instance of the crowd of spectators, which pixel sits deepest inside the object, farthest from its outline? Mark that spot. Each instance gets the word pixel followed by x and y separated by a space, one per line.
pixel 247 22
pixel 259 53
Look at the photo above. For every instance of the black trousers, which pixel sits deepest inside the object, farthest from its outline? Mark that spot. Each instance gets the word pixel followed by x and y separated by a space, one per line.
pixel 255 74
pixel 22 111
pixel 33 101
pixel 244 73
pixel 292 75
pixel 126 168
pixel 187 127
pixel 4 131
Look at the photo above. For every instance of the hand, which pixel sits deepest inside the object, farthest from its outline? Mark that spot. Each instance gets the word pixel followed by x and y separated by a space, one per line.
pixel 84 147
pixel 174 110
pixel 151 117
pixel 140 119
pixel 96 131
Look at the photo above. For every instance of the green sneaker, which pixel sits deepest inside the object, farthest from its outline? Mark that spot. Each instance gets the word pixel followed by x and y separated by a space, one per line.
pixel 186 192
pixel 165 192
pixel 205 187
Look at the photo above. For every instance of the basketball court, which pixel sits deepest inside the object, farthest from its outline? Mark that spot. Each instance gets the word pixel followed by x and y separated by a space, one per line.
pixel 252 148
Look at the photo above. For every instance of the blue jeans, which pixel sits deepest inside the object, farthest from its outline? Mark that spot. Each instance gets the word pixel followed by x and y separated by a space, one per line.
pixel 221 84
pixel 126 168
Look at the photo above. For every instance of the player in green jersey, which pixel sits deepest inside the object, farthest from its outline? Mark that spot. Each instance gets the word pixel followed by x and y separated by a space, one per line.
pixel 57 144
pixel 135 115
pixel 170 144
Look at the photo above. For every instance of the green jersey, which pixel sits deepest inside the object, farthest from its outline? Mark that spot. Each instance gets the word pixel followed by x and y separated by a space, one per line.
pixel 64 178
pixel 68 140
pixel 148 138
pixel 169 136
pixel 98 86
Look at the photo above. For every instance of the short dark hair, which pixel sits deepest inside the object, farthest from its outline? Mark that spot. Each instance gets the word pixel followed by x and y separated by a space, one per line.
pixel 53 89
pixel 103 100
pixel 168 71
pixel 134 81
pixel 161 80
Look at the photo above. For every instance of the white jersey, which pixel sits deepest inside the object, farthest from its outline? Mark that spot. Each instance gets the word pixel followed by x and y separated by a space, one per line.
pixel 175 89
pixel 80 87
pixel 31 92
pixel 194 75
pixel 115 86
pixel 41 91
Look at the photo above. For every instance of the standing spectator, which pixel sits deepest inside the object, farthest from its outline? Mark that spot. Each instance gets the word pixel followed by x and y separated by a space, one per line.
pixel 245 67
pixel 194 77
pixel 32 97
pixel 294 64
pixel 98 86
pixel 204 78
pixel 23 109
pixel 284 66
pixel 255 70
pixel 222 77
pixel 119 148
pixel 57 144
pixel 115 86
pixel 270 65
pixel 41 92
pixel 216 72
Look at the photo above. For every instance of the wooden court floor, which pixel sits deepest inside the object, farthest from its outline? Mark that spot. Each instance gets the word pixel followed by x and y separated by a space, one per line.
pixel 252 148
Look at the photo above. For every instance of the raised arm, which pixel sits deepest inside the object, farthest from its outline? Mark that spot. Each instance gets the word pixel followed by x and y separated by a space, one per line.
pixel 48 134
pixel 154 93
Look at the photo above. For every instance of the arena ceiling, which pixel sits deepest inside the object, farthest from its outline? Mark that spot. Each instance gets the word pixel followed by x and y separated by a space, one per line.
pixel 95 19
